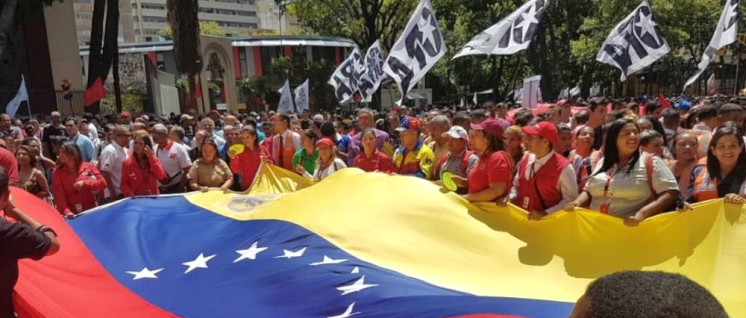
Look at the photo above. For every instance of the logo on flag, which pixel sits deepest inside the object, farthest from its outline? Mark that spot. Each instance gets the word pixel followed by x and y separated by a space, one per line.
pixel 346 78
pixel 510 35
pixel 725 34
pixel 286 101
pixel 634 43
pixel 373 71
pixel 301 97
pixel 21 96
pixel 417 50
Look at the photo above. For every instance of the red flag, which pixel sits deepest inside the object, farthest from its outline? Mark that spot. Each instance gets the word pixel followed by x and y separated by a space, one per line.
pixel 95 92
pixel 662 100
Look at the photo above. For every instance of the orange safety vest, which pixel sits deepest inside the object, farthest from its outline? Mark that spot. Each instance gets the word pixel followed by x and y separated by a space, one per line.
pixel 705 188
pixel 288 151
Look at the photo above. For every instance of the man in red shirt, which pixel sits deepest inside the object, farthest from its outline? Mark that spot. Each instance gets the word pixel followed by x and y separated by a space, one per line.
pixel 9 162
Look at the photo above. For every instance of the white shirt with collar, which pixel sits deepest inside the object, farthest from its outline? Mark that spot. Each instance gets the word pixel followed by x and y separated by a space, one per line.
pixel 111 160
pixel 567 183
pixel 296 140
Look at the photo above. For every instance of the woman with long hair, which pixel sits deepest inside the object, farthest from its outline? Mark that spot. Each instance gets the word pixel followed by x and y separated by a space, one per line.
pixel 684 148
pixel 514 144
pixel 142 170
pixel 371 159
pixel 725 173
pixel 492 178
pixel 74 182
pixel 247 162
pixel 209 171
pixel 583 157
pixel 30 178
pixel 628 184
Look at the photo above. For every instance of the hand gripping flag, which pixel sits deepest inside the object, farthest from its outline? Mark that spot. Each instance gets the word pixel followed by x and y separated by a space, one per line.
pixel 279 252
pixel 725 34
pixel 510 35
pixel 420 46
pixel 301 97
pixel 286 101
pixel 635 43
pixel 346 77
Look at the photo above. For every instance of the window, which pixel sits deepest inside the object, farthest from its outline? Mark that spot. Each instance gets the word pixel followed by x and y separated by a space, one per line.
pixel 83 1
pixel 150 6
pixel 154 19
pixel 83 16
pixel 244 62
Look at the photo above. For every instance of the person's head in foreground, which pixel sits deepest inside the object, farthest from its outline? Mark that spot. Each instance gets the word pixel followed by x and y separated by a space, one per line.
pixel 639 294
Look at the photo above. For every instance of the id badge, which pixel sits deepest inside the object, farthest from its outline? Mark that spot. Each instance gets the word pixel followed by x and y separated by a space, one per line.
pixel 526 202
pixel 605 208
pixel 79 207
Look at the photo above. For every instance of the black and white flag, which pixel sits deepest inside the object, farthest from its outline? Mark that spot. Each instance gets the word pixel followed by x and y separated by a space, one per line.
pixel 635 43
pixel 725 34
pixel 346 78
pixel 510 35
pixel 417 50
pixel 373 71
pixel 301 97
pixel 575 91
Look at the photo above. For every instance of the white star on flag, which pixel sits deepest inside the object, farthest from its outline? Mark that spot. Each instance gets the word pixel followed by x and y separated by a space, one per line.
pixel 529 18
pixel 355 287
pixel 355 270
pixel 250 253
pixel 347 313
pixel 145 273
pixel 328 261
pixel 199 262
pixel 647 25
pixel 291 254
pixel 427 30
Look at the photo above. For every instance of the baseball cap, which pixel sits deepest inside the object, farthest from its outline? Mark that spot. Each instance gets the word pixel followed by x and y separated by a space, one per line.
pixel 56 114
pixel 684 105
pixel 325 142
pixel 545 130
pixel 186 117
pixel 491 126
pixel 457 132
pixel 410 122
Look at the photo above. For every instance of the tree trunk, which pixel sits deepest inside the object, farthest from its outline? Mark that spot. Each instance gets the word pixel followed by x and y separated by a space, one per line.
pixel 7 16
pixel 111 50
pixel 117 87
pixel 94 56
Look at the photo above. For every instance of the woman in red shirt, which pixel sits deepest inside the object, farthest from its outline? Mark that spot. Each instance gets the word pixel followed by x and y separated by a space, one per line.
pixel 491 179
pixel 142 170
pixel 247 162
pixel 74 182
pixel 371 159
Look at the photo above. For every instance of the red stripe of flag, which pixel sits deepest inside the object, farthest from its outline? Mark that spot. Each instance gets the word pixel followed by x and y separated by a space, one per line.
pixel 71 283
pixel 662 100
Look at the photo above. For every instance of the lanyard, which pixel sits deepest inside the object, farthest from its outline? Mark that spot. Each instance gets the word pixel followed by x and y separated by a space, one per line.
pixel 610 178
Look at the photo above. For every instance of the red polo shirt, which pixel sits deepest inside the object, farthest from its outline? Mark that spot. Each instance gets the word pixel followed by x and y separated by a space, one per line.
pixel 247 164
pixel 139 181
pixel 9 162
pixel 496 168
pixel 74 201
pixel 378 161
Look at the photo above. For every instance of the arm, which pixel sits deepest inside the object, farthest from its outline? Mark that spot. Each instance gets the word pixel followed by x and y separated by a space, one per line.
pixel 105 162
pixel 43 184
pixel 97 183
pixel 27 237
pixel 155 168
pixel 236 163
pixel 583 199
pixel 664 201
pixel 193 178
pixel 48 163
pixel 426 164
pixel 228 176
pixel 568 187
pixel 60 197
pixel 490 194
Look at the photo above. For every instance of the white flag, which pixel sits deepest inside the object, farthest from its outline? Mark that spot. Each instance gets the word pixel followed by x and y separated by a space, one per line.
pixel 510 35
pixel 463 103
pixel 301 97
pixel 725 34
pixel 475 99
pixel 373 71
pixel 575 91
pixel 286 101
pixel 634 43
pixel 595 90
pixel 564 94
pixel 346 77
pixel 531 91
pixel 417 50
pixel 21 96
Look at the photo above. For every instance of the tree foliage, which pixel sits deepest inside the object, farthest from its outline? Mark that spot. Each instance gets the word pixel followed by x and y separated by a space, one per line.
pixel 210 28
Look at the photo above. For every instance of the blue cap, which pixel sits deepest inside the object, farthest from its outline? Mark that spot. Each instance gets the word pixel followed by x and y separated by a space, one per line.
pixel 684 105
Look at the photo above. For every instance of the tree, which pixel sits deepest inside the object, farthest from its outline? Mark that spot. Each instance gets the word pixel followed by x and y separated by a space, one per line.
pixel 210 28
pixel 182 17
pixel 100 63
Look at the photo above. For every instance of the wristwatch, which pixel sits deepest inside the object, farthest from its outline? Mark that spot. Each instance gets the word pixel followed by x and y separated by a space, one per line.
pixel 43 229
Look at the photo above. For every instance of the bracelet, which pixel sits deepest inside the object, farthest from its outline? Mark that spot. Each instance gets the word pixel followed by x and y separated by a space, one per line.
pixel 43 229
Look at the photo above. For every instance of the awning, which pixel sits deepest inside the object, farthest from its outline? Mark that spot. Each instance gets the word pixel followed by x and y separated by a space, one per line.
pixel 138 49
pixel 292 42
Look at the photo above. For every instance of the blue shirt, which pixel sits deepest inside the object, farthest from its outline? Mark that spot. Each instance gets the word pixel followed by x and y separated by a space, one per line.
pixel 85 145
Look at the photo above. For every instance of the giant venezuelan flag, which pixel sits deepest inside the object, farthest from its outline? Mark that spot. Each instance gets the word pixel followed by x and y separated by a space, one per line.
pixel 363 245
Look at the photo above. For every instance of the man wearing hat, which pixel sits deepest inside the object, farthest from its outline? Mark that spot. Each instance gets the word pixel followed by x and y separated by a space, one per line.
pixel 545 181
pixel 459 160
pixel 413 158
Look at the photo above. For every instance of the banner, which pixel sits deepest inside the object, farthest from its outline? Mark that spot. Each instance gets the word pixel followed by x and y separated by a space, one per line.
pixel 725 34
pixel 564 94
pixel 346 77
pixel 373 71
pixel 531 91
pixel 286 101
pixel 712 85
pixel 301 97
pixel 278 252
pixel 635 43
pixel 420 46
pixel 510 35
pixel 21 96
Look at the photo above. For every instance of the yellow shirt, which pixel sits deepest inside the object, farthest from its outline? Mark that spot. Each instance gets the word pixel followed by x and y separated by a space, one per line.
pixel 418 162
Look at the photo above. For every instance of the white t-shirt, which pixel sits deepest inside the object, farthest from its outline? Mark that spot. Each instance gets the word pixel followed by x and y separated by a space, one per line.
pixel 111 160
pixel 628 193
pixel 319 174
pixel 174 159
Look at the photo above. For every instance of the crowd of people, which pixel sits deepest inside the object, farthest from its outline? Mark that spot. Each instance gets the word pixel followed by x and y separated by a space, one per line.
pixel 623 159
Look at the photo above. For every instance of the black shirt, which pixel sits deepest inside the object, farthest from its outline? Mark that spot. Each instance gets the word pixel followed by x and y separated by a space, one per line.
pixel 52 135
pixel 17 241
pixel 598 137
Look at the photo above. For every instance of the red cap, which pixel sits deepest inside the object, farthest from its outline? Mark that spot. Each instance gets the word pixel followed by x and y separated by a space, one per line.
pixel 410 122
pixel 125 114
pixel 544 130
pixel 491 126
pixel 324 142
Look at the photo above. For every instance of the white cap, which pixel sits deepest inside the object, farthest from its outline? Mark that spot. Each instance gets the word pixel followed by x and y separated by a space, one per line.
pixel 457 132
